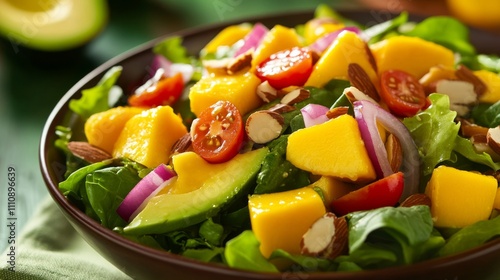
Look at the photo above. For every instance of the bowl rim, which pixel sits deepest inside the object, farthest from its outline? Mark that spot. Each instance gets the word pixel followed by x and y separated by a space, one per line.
pixel 164 256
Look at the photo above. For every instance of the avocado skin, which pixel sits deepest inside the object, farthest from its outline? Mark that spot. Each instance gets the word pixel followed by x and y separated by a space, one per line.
pixel 170 212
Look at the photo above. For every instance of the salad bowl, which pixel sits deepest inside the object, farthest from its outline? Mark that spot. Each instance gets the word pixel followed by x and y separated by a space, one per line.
pixel 141 262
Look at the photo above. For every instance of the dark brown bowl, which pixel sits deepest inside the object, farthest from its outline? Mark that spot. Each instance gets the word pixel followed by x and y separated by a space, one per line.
pixel 141 262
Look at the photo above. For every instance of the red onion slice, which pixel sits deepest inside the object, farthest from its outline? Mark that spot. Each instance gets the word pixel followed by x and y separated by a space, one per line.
pixel 314 114
pixel 322 43
pixel 252 39
pixel 148 187
pixel 368 115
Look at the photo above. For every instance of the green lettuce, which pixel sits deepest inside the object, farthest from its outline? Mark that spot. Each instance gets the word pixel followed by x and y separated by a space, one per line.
pixel 434 131
pixel 95 99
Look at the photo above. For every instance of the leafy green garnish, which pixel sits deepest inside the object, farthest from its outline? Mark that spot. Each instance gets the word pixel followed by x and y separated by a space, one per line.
pixel 487 115
pixel 325 11
pixel 95 100
pixel 445 31
pixel 471 236
pixel 304 263
pixel 172 49
pixel 243 252
pixel 438 121
pixel 378 31
pixel 212 232
pixel 277 173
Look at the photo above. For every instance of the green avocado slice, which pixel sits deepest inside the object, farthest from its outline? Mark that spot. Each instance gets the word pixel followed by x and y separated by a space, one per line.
pixel 169 212
pixel 52 25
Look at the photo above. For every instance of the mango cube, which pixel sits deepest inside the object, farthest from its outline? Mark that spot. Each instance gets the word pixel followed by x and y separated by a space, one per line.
pixel 496 205
pixel 492 82
pixel 103 129
pixel 333 148
pixel 410 54
pixel 279 220
pixel 332 188
pixel 148 137
pixel 237 89
pixel 279 38
pixel 227 37
pixel 460 198
pixel 346 49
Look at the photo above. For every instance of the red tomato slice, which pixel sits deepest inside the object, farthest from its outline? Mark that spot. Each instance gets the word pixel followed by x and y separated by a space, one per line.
pixel 402 93
pixel 384 192
pixel 218 132
pixel 158 91
pixel 290 67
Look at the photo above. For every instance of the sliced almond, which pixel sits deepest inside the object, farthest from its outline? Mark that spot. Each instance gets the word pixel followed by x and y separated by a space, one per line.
pixel 88 152
pixel 266 92
pixel 493 139
pixel 416 199
pixel 295 96
pixel 360 80
pixel 461 94
pixel 281 108
pixel 240 62
pixel 337 112
pixel 469 129
pixel 264 126
pixel 394 152
pixel 371 58
pixel 481 145
pixel 354 94
pixel 465 74
pixel 183 144
pixel 326 238
pixel 217 65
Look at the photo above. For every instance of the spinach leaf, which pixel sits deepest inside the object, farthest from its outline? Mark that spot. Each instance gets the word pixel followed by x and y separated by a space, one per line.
pixel 106 188
pixel 377 32
pixel 325 11
pixel 471 236
pixel 438 121
pixel 303 263
pixel 205 254
pixel 445 31
pixel 95 100
pixel 212 232
pixel 277 173
pixel 243 252
pixel 489 62
pixel 487 115
pixel 76 181
pixel 369 255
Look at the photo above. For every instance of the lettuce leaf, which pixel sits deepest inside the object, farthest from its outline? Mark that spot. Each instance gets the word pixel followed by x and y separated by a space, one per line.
pixel 172 49
pixel 95 100
pixel 434 132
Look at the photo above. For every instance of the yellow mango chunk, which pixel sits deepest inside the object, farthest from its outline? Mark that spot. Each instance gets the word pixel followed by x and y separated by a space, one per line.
pixel 496 204
pixel 227 37
pixel 193 172
pixel 332 188
pixel 280 219
pixel 460 198
pixel 492 81
pixel 277 39
pixel 410 54
pixel 237 89
pixel 333 148
pixel 102 129
pixel 346 49
pixel 148 137
pixel 315 29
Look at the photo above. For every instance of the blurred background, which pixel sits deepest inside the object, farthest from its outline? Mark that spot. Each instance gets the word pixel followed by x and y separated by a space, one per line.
pixel 31 81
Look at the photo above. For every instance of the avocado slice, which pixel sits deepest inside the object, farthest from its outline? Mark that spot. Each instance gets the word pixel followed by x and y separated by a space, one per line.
pixel 51 25
pixel 169 212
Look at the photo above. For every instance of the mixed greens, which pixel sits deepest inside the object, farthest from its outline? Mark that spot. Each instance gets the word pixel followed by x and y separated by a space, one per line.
pixel 381 237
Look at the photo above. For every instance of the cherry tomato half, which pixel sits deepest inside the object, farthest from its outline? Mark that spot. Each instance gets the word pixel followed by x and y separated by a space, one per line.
pixel 157 91
pixel 290 67
pixel 218 132
pixel 402 93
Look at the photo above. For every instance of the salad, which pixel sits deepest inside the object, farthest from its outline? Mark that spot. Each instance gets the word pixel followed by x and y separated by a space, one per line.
pixel 328 146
